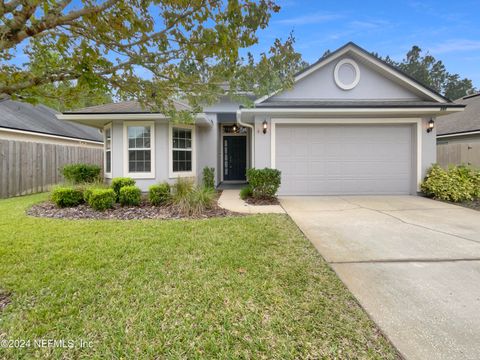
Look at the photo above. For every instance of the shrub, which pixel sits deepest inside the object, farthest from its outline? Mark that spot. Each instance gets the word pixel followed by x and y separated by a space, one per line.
pixel 209 177
pixel 67 196
pixel 264 182
pixel 458 183
pixel 81 173
pixel 118 183
pixel 181 188
pixel 87 189
pixel 246 192
pixel 199 200
pixel 191 200
pixel 196 201
pixel 130 195
pixel 101 199
pixel 159 194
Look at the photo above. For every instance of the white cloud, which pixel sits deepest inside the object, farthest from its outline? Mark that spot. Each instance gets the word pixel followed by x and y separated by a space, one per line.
pixel 309 19
pixel 455 45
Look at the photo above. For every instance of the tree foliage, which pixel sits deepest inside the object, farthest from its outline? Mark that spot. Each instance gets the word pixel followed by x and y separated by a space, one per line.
pixel 150 50
pixel 432 72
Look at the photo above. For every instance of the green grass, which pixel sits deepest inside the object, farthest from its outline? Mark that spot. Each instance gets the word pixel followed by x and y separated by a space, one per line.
pixel 244 287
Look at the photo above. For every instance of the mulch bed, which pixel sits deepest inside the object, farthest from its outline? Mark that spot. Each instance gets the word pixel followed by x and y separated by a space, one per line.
pixel 144 211
pixel 262 201
pixel 4 299
pixel 474 204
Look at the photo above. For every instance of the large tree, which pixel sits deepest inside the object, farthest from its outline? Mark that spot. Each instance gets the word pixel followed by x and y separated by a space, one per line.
pixel 432 72
pixel 152 50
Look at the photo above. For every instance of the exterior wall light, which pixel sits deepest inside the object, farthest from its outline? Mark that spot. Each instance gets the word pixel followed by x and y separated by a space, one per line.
pixel 265 124
pixel 234 128
pixel 431 125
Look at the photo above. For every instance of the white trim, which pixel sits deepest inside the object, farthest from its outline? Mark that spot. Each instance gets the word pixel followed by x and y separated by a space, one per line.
pixel 25 132
pixel 459 134
pixel 252 137
pixel 352 121
pixel 135 175
pixel 247 153
pixel 105 128
pixel 369 58
pixel 340 83
pixel 171 173
pixel 121 116
pixel 354 111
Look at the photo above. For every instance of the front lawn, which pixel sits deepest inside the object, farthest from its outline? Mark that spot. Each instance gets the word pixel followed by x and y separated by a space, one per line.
pixel 239 287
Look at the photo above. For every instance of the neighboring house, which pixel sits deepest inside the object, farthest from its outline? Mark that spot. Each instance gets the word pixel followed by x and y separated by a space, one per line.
pixel 458 135
pixel 351 124
pixel 35 145
pixel 38 123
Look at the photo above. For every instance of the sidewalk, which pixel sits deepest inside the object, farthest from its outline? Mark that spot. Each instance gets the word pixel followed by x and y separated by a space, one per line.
pixel 230 200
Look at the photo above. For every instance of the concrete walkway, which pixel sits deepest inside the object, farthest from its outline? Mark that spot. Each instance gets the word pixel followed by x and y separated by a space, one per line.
pixel 230 200
pixel 412 263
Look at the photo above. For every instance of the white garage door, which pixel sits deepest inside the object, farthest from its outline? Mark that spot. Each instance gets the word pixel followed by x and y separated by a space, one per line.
pixel 344 159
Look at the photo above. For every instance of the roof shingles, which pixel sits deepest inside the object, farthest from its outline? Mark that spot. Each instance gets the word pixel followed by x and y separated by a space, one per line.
pixel 124 107
pixel 465 121
pixel 42 119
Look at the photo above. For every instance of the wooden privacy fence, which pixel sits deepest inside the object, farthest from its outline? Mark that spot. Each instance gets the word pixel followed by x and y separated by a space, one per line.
pixel 29 167
pixel 456 154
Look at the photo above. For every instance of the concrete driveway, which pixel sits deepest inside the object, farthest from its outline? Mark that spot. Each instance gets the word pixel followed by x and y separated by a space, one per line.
pixel 413 264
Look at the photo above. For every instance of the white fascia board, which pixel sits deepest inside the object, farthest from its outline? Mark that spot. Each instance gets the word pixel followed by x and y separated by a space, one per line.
pixel 33 133
pixel 352 111
pixel 459 134
pixel 109 117
pixel 73 117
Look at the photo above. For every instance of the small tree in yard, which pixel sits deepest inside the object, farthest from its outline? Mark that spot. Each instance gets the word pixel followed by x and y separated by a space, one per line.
pixel 152 51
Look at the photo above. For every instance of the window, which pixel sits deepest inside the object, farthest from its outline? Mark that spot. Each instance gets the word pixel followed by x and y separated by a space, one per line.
pixel 108 150
pixel 140 152
pixel 182 139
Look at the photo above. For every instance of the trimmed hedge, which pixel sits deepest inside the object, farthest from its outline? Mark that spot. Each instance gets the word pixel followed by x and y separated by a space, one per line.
pixel 81 173
pixel 209 177
pixel 67 196
pixel 101 199
pixel 457 183
pixel 130 195
pixel 264 182
pixel 119 182
pixel 159 194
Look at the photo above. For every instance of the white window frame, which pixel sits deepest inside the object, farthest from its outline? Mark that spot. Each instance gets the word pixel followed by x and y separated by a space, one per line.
pixel 139 175
pixel 108 175
pixel 178 174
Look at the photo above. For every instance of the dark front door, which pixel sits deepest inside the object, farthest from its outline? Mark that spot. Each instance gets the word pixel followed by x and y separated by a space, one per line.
pixel 234 157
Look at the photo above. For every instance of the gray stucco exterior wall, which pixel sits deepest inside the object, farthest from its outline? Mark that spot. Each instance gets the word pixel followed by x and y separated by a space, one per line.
pixel 205 151
pixel 207 148
pixel 321 85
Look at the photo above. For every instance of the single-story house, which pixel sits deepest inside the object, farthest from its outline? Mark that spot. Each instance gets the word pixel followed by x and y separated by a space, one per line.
pixel 458 134
pixel 351 124
pixel 461 127
pixel 38 123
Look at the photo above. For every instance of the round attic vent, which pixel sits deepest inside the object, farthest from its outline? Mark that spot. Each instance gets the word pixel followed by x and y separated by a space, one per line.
pixel 346 74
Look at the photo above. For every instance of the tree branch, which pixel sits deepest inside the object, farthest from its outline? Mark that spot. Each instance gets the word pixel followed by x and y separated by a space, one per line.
pixel 15 34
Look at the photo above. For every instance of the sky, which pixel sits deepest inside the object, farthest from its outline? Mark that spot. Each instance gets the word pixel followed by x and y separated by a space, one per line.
pixel 448 30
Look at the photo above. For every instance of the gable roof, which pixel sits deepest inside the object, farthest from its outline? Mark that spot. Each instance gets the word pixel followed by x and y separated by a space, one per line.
pixel 464 122
pixel 396 73
pixel 41 119
pixel 124 107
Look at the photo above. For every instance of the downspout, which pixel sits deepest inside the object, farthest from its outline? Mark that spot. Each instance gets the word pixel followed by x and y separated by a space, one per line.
pixel 252 127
